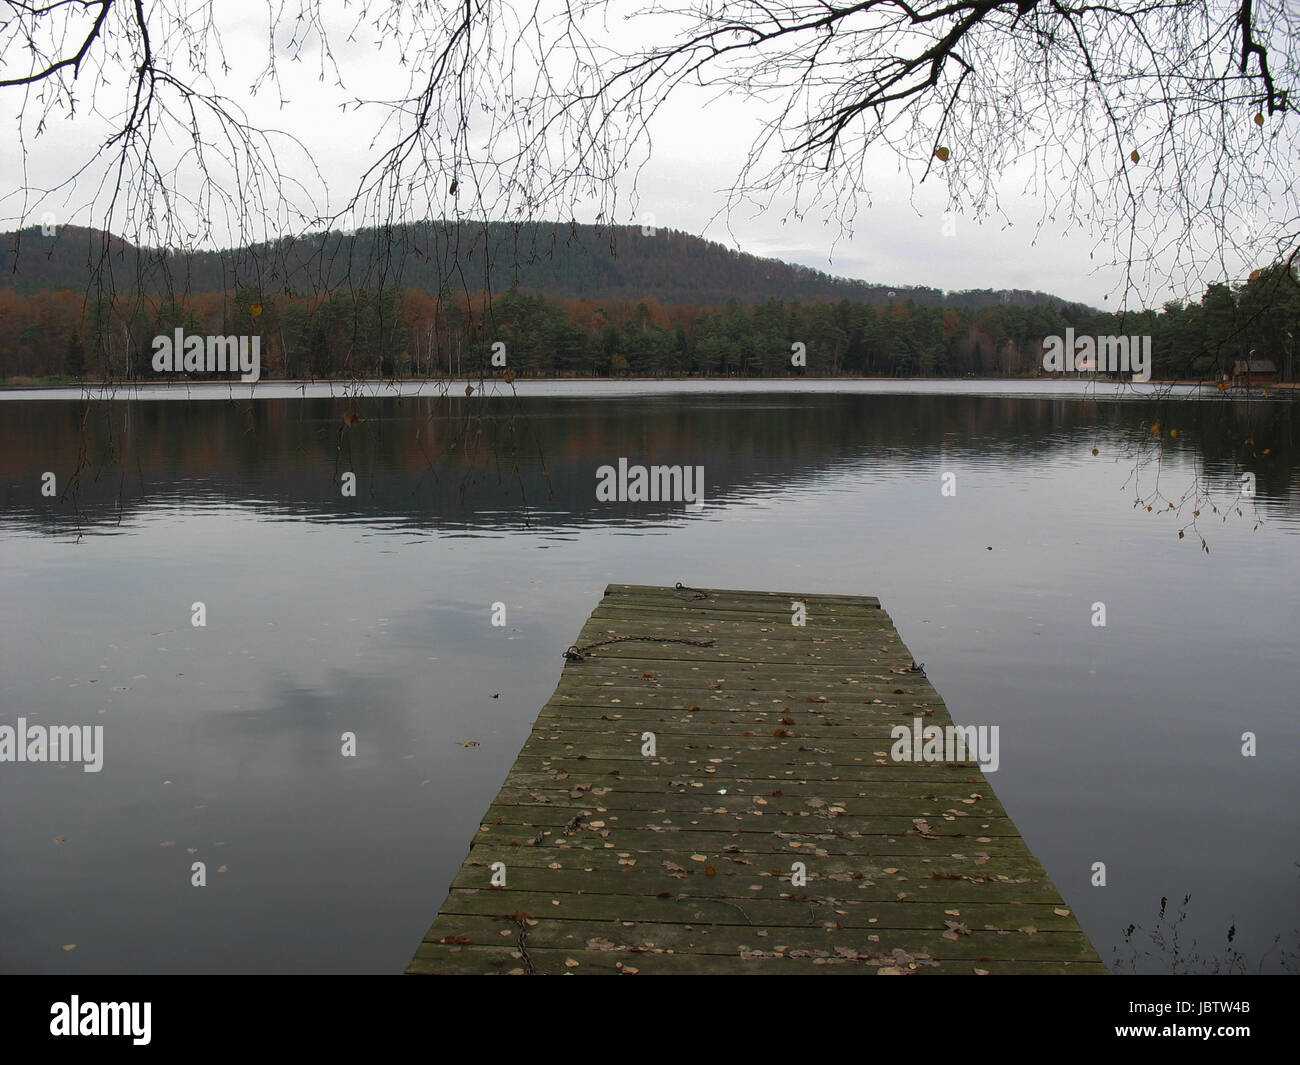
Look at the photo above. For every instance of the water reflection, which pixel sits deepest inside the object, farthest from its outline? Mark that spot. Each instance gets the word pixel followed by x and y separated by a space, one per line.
pixel 507 463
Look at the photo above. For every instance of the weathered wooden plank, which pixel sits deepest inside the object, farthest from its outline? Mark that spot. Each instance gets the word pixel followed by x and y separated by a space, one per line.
pixel 729 860
pixel 800 767
pixel 872 729
pixel 730 941
pixel 844 813
pixel 786 681
pixel 637 792
pixel 549 815
pixel 605 696
pixel 762 913
pixel 510 961
pixel 753 838
pixel 635 883
pixel 874 632
pixel 930 777
pixel 679 741
pixel 871 634
pixel 653 593
pixel 770 804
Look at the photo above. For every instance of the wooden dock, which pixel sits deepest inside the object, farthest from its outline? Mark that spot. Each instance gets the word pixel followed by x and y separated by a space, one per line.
pixel 771 756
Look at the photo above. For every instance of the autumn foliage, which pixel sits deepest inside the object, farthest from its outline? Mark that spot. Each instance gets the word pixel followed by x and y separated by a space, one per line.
pixel 408 332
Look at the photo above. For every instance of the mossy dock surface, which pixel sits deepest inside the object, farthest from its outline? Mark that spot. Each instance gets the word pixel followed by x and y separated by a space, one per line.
pixel 771 747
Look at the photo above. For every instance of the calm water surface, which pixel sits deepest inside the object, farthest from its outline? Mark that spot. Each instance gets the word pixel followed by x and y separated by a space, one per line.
pixel 371 614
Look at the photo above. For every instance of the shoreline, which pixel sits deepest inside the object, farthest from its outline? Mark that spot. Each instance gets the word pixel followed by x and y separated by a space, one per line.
pixel 373 382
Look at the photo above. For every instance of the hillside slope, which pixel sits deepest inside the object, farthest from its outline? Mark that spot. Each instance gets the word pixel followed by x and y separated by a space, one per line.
pixel 574 261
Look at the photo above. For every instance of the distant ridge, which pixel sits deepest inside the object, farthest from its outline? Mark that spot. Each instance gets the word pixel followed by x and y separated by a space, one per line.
pixel 562 260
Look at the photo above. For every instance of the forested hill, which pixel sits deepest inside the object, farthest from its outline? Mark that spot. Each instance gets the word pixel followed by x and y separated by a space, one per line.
pixel 573 261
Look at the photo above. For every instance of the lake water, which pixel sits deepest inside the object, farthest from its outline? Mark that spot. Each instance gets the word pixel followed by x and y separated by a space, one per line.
pixel 1120 744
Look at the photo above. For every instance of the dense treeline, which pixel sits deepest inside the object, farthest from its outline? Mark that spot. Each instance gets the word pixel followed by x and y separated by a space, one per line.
pixel 387 332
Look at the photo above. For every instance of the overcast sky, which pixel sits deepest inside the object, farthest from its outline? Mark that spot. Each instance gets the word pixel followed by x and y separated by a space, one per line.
pixel 700 143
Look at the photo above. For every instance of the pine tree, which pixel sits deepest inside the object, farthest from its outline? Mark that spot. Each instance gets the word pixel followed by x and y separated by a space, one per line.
pixel 75 364
pixel 318 351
